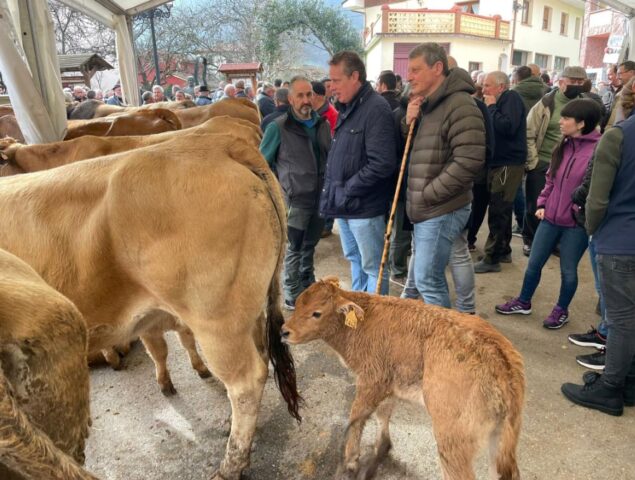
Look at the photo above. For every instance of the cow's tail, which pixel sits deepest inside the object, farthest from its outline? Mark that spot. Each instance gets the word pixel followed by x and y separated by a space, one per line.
pixel 509 430
pixel 27 450
pixel 279 354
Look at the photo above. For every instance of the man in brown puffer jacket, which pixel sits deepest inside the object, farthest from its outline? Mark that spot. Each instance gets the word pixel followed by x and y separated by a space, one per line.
pixel 448 153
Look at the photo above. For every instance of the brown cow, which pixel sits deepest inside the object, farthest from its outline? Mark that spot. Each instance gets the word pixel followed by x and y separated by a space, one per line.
pixel 17 158
pixel 22 159
pixel 44 397
pixel 194 226
pixel 468 376
pixel 142 122
pixel 191 117
pixel 96 108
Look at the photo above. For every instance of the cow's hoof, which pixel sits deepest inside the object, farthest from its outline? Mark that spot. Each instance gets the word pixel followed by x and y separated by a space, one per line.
pixel 205 373
pixel 168 389
pixel 347 472
pixel 217 476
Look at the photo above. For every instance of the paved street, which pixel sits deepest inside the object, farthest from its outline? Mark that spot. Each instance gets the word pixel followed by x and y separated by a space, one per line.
pixel 138 434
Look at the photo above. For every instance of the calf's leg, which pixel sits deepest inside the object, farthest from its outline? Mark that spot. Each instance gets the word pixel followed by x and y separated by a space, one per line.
pixel 367 398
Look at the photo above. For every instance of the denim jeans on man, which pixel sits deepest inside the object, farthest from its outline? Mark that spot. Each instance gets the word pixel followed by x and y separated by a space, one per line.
pixel 602 327
pixel 304 227
pixel 434 239
pixel 617 280
pixel 573 242
pixel 462 269
pixel 363 244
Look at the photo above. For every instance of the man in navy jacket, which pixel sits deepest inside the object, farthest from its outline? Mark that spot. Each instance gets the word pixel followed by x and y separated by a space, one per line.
pixel 506 169
pixel 360 169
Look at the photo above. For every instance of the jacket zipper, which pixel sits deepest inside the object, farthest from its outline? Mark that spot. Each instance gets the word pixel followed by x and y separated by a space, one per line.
pixel 568 169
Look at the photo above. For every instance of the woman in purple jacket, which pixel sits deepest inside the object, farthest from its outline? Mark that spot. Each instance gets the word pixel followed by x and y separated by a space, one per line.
pixel 569 160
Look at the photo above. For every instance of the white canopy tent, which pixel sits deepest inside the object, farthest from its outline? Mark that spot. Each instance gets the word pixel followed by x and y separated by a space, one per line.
pixel 28 59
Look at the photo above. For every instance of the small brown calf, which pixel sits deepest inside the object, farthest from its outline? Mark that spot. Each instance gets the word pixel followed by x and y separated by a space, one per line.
pixel 466 373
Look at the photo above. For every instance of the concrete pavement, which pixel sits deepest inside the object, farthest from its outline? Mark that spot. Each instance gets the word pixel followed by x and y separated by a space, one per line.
pixel 138 434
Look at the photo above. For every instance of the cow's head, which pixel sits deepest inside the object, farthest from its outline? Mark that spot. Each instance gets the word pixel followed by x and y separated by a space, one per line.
pixel 320 311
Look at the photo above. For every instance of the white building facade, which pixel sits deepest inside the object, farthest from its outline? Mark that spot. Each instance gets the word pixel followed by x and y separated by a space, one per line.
pixel 479 34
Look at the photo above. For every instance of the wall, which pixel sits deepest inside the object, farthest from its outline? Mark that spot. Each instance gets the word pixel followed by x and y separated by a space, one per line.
pixel 464 49
pixel 533 39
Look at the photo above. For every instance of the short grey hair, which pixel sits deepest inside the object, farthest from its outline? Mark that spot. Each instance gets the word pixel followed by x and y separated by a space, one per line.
pixel 431 53
pixel 500 78
pixel 157 87
pixel 298 78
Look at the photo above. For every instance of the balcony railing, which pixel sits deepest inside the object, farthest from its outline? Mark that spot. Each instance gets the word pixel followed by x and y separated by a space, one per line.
pixel 424 21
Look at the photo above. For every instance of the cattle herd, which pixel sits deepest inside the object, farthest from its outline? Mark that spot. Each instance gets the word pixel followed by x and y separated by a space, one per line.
pixel 168 218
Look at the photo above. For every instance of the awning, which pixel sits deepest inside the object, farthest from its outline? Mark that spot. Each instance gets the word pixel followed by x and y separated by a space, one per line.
pixel 29 62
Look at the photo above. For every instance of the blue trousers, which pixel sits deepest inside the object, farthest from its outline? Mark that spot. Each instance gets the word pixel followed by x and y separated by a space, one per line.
pixel 573 243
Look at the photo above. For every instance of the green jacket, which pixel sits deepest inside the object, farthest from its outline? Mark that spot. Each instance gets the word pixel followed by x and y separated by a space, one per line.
pixel 609 151
pixel 531 90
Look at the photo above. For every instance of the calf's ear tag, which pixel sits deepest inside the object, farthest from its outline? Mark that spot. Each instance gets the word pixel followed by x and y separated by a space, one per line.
pixel 351 319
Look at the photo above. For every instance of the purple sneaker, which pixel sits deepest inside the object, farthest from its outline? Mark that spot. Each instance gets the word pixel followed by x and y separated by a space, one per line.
pixel 557 319
pixel 515 305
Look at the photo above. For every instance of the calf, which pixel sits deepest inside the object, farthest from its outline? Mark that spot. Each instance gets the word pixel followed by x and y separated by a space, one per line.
pixel 44 397
pixel 465 372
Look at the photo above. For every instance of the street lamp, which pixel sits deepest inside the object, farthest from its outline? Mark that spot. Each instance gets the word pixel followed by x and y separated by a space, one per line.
pixel 158 12
pixel 516 6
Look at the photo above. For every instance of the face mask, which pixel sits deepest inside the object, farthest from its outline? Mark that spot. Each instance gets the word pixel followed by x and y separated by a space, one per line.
pixel 573 91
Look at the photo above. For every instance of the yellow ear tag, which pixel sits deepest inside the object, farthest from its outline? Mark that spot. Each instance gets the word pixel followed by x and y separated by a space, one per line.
pixel 351 319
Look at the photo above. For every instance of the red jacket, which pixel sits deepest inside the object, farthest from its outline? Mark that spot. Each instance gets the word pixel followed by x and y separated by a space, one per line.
pixel 329 113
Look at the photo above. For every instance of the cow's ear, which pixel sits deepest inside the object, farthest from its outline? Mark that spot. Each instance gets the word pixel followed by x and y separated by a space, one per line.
pixel 352 312
pixel 333 280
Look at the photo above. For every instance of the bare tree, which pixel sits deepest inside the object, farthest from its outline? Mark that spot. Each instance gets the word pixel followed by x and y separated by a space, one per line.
pixel 78 33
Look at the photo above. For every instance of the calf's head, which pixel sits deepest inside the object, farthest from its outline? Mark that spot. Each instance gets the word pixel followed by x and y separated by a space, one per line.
pixel 321 311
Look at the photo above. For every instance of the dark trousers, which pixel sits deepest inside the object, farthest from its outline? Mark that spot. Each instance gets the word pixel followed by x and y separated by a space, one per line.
pixel 534 183
pixel 480 201
pixel 304 227
pixel 519 205
pixel 400 242
pixel 503 185
pixel 617 281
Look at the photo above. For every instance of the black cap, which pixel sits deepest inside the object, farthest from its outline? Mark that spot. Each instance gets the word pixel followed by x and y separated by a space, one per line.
pixel 203 88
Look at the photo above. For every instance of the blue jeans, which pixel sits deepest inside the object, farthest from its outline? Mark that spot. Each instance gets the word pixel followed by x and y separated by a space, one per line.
pixel 602 327
pixel 573 242
pixel 363 244
pixel 434 239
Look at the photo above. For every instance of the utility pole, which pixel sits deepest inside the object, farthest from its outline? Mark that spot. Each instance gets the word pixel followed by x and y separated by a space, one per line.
pixel 158 12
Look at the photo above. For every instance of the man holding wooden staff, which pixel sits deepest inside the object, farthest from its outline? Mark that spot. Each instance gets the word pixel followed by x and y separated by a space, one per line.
pixel 448 152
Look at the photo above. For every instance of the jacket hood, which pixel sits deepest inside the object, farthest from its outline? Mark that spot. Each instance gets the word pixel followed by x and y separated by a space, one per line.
pixel 458 80
pixel 591 137
pixel 532 87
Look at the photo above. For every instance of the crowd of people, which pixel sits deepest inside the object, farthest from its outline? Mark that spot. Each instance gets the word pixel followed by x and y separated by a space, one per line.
pixel 551 163
pixel 545 162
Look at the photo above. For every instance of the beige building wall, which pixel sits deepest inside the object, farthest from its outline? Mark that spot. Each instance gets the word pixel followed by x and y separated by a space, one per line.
pixel 487 52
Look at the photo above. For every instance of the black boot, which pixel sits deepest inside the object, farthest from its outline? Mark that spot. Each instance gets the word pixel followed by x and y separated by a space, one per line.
pixel 596 394
pixel 629 386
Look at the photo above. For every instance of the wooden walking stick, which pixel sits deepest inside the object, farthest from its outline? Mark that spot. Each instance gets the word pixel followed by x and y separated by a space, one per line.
pixel 391 218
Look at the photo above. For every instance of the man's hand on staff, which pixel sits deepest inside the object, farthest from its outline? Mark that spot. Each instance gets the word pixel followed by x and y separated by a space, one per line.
pixel 413 109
